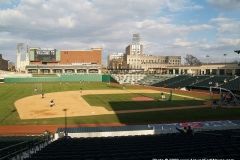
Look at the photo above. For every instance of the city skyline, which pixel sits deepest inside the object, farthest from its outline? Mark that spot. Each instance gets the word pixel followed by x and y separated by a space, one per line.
pixel 167 27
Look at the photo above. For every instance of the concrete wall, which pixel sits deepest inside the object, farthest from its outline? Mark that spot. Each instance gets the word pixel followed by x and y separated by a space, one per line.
pixel 107 134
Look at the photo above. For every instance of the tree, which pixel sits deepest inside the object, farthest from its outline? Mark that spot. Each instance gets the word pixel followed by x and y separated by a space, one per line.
pixel 191 60
pixel 11 66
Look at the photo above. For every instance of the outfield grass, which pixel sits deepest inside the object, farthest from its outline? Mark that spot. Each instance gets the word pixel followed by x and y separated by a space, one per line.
pixel 9 93
pixel 119 102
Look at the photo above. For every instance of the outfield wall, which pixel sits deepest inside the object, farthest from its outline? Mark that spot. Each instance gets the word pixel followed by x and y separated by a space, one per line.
pixel 61 78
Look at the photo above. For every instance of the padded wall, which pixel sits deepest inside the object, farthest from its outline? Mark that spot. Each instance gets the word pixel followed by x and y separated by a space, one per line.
pixel 62 78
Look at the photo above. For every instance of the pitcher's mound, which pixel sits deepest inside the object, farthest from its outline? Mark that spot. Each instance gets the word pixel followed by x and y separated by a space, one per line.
pixel 142 99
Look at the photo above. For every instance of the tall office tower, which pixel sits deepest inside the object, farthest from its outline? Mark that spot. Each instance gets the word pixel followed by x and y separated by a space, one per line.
pixel 22 57
pixel 136 38
pixel 136 47
pixel 20 48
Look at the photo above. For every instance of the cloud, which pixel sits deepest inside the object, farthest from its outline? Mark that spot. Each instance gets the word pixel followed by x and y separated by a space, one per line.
pixel 87 22
pixel 83 24
pixel 176 5
pixel 165 29
pixel 67 22
pixel 225 4
pixel 183 43
pixel 230 42
pixel 3 1
pixel 227 26
pixel 7 1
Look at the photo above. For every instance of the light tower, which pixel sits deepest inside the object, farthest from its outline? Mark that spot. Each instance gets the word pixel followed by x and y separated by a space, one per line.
pixel 238 52
pixel 225 58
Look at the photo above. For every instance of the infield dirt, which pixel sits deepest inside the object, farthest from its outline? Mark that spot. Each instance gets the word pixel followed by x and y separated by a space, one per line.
pixel 36 107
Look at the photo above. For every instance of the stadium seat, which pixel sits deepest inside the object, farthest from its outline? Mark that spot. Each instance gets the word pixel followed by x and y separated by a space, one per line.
pixel 211 144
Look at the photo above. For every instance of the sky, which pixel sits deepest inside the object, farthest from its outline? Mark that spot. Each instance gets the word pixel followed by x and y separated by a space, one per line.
pixel 166 27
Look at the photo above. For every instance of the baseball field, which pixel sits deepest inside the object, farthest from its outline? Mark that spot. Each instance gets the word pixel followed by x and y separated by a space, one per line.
pixel 97 103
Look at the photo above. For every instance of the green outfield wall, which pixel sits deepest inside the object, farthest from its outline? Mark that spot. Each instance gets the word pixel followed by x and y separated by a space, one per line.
pixel 61 78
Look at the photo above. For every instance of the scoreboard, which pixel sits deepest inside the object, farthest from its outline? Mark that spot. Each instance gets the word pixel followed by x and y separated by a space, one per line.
pixel 44 54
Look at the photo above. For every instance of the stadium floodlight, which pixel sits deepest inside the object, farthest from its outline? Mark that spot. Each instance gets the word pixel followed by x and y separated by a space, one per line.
pixel 207 56
pixel 225 58
pixel 238 52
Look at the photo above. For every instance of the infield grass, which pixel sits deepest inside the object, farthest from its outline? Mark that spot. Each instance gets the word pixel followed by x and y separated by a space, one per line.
pixel 117 102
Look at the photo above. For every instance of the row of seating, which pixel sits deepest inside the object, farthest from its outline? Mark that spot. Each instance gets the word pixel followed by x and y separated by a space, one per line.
pixel 215 81
pixel 171 81
pixel 6 141
pixel 11 146
pixel 152 79
pixel 188 81
pixel 128 78
pixel 218 144
pixel 232 84
pixel 228 82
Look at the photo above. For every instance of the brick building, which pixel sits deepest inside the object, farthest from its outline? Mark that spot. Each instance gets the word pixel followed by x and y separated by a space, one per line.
pixel 44 61
pixel 93 56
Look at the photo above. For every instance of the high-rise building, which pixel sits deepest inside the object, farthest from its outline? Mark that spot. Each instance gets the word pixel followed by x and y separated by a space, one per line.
pixel 22 57
pixel 136 38
pixel 136 47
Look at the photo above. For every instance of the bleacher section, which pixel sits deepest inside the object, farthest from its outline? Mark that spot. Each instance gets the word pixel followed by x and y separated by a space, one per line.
pixel 12 146
pixel 213 144
pixel 128 78
pixel 171 81
pixel 142 79
pixel 187 81
pixel 153 79
pixel 215 81
pixel 201 82
pixel 233 85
